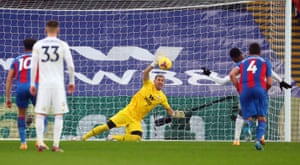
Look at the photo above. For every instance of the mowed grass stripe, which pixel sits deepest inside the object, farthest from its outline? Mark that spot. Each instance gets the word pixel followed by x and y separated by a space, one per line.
pixel 152 153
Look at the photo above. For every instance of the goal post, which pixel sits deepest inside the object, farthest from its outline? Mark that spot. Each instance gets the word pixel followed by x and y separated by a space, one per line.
pixel 112 45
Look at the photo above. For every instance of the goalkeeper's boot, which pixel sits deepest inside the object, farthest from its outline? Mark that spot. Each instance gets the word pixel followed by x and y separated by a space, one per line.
pixel 258 146
pixel 236 143
pixel 23 146
pixel 43 145
pixel 57 149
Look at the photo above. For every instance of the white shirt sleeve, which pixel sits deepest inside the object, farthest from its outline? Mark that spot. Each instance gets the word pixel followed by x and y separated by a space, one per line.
pixel 276 76
pixel 34 65
pixel 224 80
pixel 219 80
pixel 70 64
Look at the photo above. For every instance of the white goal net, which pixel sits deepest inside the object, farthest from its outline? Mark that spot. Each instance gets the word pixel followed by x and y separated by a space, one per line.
pixel 112 44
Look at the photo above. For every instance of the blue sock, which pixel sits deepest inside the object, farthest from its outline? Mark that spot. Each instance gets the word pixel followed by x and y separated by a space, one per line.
pixel 45 124
pixel 22 129
pixel 260 129
pixel 250 123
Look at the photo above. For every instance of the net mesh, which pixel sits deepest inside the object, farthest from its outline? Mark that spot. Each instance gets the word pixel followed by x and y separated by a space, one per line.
pixel 113 41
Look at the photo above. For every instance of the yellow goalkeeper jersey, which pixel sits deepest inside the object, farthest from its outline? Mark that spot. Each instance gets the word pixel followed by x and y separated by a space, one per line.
pixel 145 100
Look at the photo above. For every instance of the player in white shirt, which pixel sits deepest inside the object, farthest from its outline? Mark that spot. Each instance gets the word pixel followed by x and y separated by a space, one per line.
pixel 237 56
pixel 48 57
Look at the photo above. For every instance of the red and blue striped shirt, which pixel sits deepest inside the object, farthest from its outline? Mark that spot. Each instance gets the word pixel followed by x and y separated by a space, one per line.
pixel 22 65
pixel 254 71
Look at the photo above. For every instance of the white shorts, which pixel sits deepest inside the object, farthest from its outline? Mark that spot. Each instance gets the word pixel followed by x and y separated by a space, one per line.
pixel 51 100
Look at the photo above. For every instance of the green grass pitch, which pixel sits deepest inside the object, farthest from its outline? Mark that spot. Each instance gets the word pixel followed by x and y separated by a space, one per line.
pixel 152 153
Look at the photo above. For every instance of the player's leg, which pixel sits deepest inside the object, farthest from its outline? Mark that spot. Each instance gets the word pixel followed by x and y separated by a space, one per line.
pixel 39 126
pixel 260 129
pixel 22 128
pixel 239 123
pixel 44 145
pixel 261 108
pixel 99 129
pixel 133 136
pixel 248 110
pixel 57 130
pixel 133 132
pixel 22 101
pixel 262 112
pixel 118 120
pixel 59 104
pixel 41 109
pixel 248 126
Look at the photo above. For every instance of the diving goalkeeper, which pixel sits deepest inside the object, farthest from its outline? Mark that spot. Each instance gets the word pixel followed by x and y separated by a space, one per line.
pixel 146 99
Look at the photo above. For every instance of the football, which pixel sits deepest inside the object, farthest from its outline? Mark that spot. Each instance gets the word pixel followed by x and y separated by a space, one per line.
pixel 164 63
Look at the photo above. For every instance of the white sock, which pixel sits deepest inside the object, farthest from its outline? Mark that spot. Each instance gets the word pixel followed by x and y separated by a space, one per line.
pixel 39 127
pixel 239 122
pixel 57 129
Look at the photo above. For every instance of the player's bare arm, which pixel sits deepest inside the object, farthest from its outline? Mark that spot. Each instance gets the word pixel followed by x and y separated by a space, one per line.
pixel 233 76
pixel 8 85
pixel 71 88
pixel 170 111
pixel 269 82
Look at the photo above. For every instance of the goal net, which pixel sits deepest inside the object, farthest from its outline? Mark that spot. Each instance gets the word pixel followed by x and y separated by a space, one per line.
pixel 112 42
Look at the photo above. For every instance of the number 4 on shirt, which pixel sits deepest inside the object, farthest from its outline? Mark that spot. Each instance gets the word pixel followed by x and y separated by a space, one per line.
pixel 252 67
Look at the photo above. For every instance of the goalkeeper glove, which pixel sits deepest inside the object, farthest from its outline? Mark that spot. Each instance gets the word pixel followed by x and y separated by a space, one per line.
pixel 178 114
pixel 285 85
pixel 156 60
pixel 206 71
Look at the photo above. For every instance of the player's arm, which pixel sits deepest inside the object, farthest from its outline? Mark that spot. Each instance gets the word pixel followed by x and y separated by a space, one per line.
pixel 220 80
pixel 269 82
pixel 170 111
pixel 233 76
pixel 146 73
pixel 215 77
pixel 8 85
pixel 269 75
pixel 33 70
pixel 167 106
pixel 71 69
pixel 276 76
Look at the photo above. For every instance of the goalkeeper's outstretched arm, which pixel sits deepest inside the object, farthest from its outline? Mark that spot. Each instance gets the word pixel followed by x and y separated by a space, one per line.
pixel 149 68
pixel 146 73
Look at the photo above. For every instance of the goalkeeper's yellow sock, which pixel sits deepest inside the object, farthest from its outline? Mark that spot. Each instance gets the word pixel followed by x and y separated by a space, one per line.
pixel 126 137
pixel 95 131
